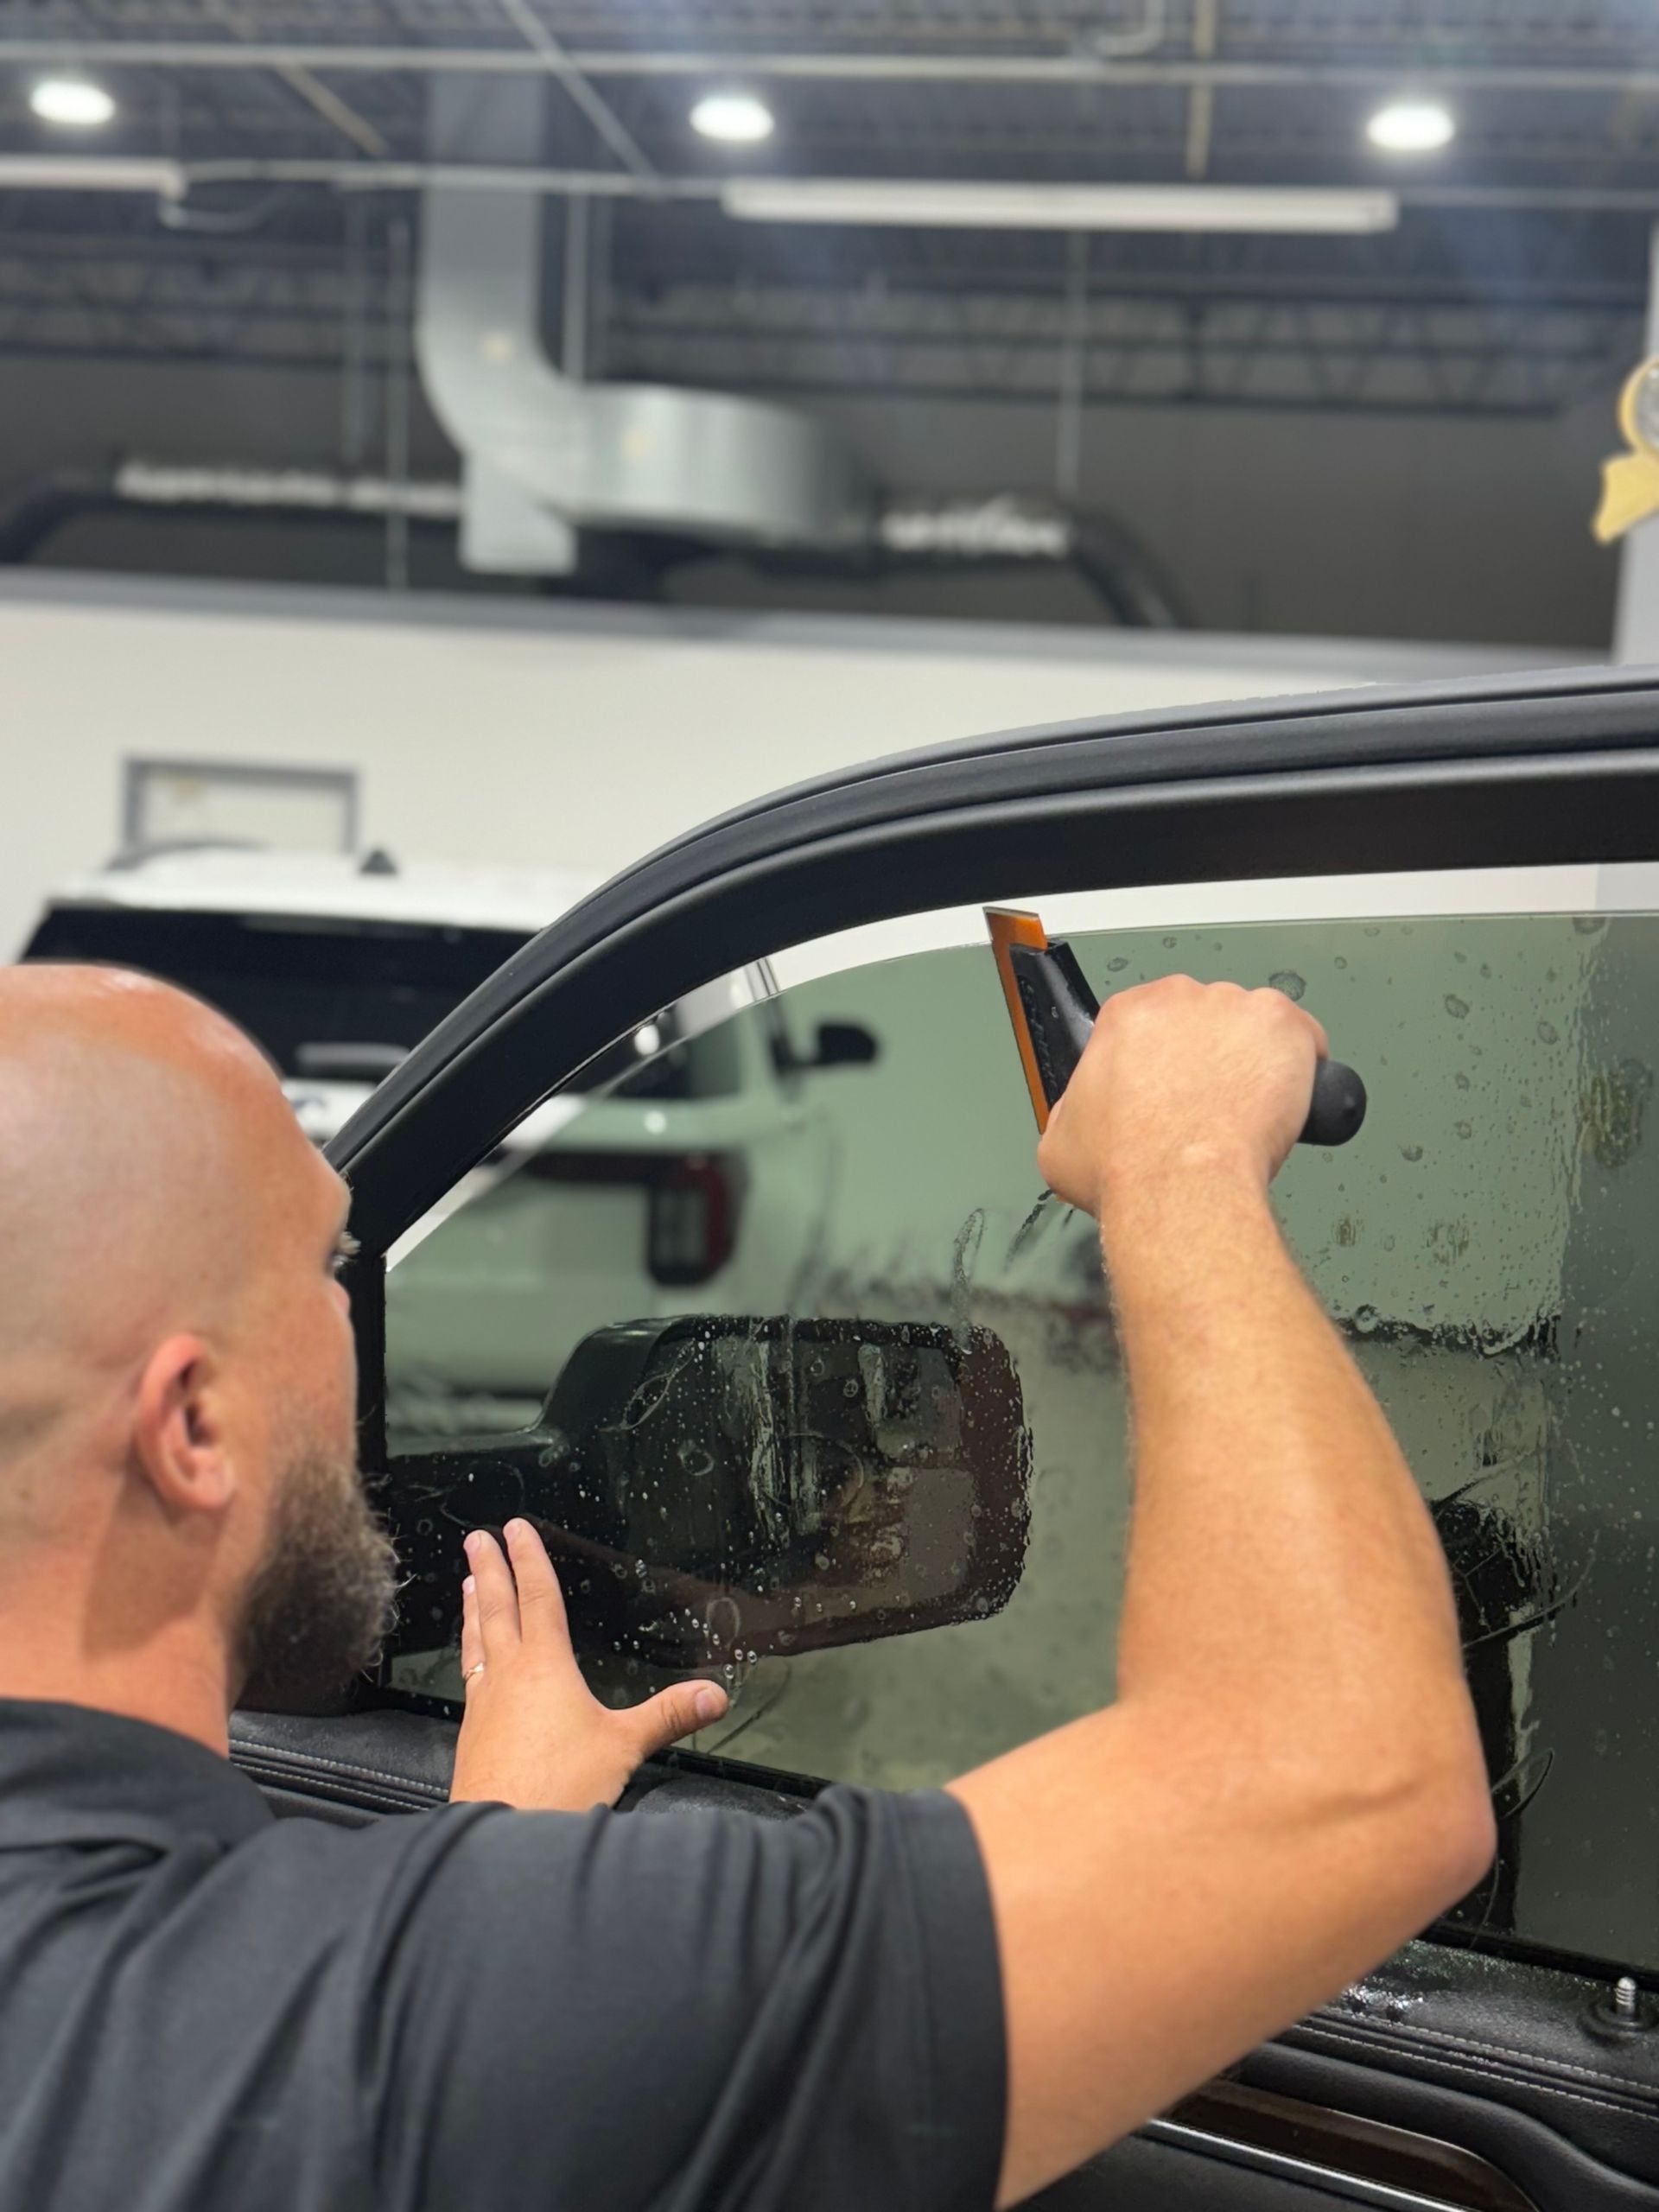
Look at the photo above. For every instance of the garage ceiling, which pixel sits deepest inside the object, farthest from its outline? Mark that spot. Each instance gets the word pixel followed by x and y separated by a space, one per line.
pixel 1515 282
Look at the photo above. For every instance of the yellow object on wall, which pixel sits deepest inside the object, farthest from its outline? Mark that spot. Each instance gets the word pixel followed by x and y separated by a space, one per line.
pixel 1630 481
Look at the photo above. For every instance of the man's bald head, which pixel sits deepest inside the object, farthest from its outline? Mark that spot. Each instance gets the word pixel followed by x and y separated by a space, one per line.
pixel 146 1150
pixel 177 1386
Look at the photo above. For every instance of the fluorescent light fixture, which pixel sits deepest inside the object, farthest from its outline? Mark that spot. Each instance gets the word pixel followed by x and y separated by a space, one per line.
pixel 1411 127
pixel 74 100
pixel 923 202
pixel 735 118
pixel 90 173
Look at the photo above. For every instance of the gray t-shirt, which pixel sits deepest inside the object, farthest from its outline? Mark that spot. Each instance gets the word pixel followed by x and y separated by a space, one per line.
pixel 205 2009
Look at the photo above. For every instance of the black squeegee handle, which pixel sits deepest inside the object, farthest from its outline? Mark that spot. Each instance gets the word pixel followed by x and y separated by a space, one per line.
pixel 1060 1009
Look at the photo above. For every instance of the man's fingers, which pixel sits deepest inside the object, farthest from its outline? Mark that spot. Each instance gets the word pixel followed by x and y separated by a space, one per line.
pixel 498 1601
pixel 681 1711
pixel 472 1641
pixel 540 1602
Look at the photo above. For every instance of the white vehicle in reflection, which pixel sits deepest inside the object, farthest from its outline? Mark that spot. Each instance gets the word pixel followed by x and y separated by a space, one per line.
pixel 690 1167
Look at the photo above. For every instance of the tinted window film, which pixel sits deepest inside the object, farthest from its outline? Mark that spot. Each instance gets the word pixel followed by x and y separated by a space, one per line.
pixel 1489 1248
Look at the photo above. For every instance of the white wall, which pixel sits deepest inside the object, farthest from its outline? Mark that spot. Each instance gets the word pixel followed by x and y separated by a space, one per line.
pixel 518 735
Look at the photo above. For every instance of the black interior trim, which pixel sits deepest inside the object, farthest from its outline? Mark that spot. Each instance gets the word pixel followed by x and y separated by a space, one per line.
pixel 1393 2158
pixel 1564 2161
pixel 358 1767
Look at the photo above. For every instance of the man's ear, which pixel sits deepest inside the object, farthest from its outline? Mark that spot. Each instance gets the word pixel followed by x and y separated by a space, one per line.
pixel 178 1434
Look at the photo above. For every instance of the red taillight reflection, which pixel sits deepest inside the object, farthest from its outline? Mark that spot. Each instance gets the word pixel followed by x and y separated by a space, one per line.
pixel 693 1220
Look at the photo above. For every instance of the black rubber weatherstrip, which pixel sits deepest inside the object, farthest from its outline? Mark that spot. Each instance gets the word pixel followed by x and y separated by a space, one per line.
pixel 1228 717
pixel 1363 783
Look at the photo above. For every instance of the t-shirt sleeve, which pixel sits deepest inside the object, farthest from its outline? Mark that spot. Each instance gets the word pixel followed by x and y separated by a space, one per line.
pixel 693 2012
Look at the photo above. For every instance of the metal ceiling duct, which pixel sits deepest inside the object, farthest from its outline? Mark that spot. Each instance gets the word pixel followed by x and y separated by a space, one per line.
pixel 545 454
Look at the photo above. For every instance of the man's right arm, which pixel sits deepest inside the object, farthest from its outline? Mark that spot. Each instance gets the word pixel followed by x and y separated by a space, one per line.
pixel 1290 1784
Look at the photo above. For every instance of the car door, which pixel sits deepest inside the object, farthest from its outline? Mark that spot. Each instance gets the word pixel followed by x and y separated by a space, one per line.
pixel 1464 883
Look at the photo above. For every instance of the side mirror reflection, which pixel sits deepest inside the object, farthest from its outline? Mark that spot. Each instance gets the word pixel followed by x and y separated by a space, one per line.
pixel 712 1487
pixel 835 1045
pixel 844 1045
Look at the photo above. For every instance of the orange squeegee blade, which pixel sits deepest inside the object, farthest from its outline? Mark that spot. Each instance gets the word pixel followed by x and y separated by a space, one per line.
pixel 1010 927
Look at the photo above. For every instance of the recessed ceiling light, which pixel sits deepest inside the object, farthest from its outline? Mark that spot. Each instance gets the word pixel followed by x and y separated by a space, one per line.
pixel 72 99
pixel 738 118
pixel 1411 127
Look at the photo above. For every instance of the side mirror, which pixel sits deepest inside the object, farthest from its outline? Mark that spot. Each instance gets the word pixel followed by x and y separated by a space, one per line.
pixel 844 1045
pixel 710 1487
pixel 835 1045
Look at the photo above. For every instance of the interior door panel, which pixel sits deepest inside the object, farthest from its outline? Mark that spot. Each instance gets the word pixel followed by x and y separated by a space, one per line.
pixel 1495 2092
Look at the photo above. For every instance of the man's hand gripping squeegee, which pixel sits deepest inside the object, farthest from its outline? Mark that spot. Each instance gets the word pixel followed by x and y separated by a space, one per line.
pixel 1052 1010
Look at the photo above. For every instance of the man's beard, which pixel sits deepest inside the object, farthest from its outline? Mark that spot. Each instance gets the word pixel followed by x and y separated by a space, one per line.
pixel 322 1599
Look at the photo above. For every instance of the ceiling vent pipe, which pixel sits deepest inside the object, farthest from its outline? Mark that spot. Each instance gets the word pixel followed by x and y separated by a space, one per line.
pixel 544 455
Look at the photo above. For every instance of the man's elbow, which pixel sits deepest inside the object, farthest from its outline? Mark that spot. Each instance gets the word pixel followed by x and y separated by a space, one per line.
pixel 1437 1836
pixel 1463 1831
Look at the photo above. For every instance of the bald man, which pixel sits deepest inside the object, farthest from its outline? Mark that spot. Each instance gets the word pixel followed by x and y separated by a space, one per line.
pixel 943 2000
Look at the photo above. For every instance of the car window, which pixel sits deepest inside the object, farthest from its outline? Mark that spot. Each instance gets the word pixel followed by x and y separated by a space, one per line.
pixel 1489 1248
pixel 308 988
pixel 333 998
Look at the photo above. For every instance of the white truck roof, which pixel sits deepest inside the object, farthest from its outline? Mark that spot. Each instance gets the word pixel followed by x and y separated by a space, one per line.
pixel 228 880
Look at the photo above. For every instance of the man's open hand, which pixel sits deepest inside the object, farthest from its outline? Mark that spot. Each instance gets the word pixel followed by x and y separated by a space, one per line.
pixel 535 1735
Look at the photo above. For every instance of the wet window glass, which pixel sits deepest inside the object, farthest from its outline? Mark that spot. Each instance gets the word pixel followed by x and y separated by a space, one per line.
pixel 817 1391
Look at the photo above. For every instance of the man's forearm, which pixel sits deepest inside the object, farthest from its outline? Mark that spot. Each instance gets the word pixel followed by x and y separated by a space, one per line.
pixel 1290 1782
pixel 1285 1576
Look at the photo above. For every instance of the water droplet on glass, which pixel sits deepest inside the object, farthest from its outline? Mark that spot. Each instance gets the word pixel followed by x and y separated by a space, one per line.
pixel 1365 1320
pixel 1115 967
pixel 1411 1152
pixel 1548 1033
pixel 1288 981
pixel 1455 1007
